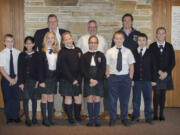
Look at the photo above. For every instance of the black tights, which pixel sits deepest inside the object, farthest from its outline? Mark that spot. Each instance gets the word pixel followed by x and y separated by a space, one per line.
pixel 159 98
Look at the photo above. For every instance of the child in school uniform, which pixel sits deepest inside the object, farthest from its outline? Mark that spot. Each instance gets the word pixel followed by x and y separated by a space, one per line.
pixel 143 80
pixel 8 68
pixel 165 62
pixel 120 68
pixel 47 77
pixel 93 68
pixel 28 71
pixel 68 65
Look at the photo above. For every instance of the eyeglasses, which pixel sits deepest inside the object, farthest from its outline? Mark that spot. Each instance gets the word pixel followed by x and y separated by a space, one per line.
pixel 93 43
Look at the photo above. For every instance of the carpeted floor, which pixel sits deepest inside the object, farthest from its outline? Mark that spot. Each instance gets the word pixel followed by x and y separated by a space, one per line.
pixel 170 127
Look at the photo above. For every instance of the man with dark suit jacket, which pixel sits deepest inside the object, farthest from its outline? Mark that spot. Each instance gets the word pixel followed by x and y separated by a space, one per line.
pixel 52 27
pixel 129 32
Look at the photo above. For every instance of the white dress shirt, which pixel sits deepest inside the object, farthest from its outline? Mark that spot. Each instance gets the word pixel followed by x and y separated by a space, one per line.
pixel 82 43
pixel 52 59
pixel 127 59
pixel 143 51
pixel 163 44
pixel 5 59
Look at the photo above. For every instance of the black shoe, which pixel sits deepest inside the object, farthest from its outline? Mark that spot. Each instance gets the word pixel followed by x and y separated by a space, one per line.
pixel 112 123
pixel 18 120
pixel 35 122
pixel 126 123
pixel 28 123
pixel 89 124
pixel 73 123
pixel 52 123
pixel 45 123
pixel 134 120
pixel 150 121
pixel 9 121
pixel 97 124
pixel 162 118
pixel 155 118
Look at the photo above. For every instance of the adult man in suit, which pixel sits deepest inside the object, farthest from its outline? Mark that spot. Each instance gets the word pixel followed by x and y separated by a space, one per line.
pixel 52 27
pixel 52 22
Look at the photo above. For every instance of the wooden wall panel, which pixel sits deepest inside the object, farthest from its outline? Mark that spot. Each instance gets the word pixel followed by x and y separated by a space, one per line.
pixel 162 17
pixel 12 21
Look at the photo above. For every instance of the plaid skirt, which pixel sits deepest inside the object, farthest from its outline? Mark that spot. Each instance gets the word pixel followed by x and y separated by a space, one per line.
pixel 51 84
pixel 97 90
pixel 166 84
pixel 67 89
pixel 29 92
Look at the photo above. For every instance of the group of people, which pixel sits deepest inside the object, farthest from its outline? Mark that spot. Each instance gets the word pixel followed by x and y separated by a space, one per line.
pixel 53 59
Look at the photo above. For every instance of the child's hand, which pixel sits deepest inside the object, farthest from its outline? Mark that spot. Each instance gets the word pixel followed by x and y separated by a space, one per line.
pixel 21 86
pixel 43 85
pixel 12 82
pixel 153 83
pixel 75 83
pixel 36 85
pixel 93 82
pixel 132 83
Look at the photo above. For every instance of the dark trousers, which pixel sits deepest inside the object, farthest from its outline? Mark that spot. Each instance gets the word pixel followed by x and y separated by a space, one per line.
pixel 11 100
pixel 146 88
pixel 106 97
pixel 119 86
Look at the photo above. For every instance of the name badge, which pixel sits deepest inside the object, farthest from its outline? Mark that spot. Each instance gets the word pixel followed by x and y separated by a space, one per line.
pixel 135 38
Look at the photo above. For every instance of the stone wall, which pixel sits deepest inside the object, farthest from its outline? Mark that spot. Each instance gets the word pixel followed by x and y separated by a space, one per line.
pixel 74 15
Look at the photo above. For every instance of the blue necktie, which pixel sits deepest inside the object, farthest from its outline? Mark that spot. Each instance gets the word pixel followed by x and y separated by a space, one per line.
pixel 119 60
pixel 12 74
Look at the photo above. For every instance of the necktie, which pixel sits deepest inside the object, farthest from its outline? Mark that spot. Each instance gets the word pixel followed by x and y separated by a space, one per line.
pixel 12 74
pixel 50 51
pixel 161 48
pixel 119 60
pixel 141 52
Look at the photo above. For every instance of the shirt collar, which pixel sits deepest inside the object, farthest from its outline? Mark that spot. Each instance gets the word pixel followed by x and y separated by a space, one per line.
pixel 161 44
pixel 144 49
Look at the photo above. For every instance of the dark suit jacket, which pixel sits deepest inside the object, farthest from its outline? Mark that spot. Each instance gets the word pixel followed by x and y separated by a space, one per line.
pixel 100 61
pixel 166 61
pixel 148 70
pixel 39 35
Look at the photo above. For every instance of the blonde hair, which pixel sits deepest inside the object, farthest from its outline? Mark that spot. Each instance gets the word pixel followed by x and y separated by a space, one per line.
pixel 63 35
pixel 54 45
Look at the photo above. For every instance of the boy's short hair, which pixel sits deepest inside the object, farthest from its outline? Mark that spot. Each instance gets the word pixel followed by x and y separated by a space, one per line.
pixel 126 15
pixel 8 35
pixel 142 35
pixel 160 28
pixel 118 32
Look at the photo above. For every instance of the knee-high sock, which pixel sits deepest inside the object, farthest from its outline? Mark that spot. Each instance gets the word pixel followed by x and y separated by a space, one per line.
pixel 90 111
pixel 156 101
pixel 162 102
pixel 34 108
pixel 50 111
pixel 69 112
pixel 96 111
pixel 26 108
pixel 77 110
pixel 43 110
